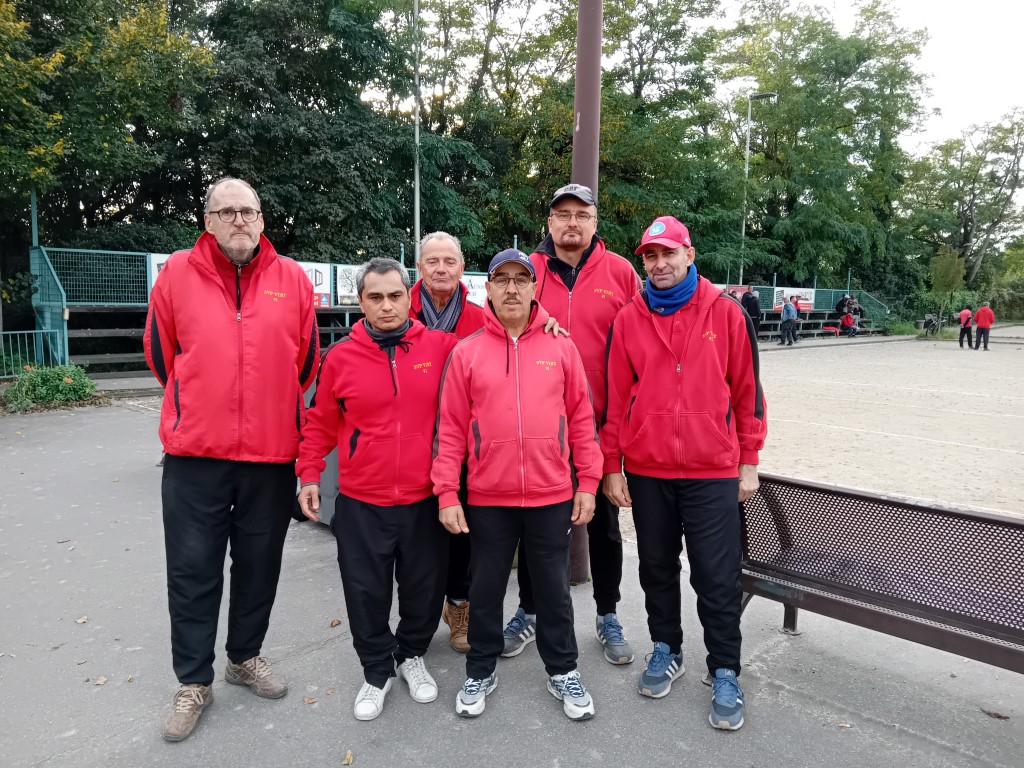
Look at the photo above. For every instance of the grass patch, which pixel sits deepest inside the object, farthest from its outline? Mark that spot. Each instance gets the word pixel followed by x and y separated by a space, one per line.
pixel 901 328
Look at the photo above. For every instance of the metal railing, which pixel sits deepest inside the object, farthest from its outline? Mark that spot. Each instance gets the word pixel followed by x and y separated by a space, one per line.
pixel 49 304
pixel 19 349
pixel 101 277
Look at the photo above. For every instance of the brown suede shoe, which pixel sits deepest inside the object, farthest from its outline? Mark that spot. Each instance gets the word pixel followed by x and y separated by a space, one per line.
pixel 258 675
pixel 457 617
pixel 188 704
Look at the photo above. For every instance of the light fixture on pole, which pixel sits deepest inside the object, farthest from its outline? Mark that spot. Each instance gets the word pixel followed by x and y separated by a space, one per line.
pixel 751 98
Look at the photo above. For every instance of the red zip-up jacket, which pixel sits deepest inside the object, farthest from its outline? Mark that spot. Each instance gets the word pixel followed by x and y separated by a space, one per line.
pixel 470 321
pixel 984 317
pixel 698 414
pixel 604 285
pixel 233 365
pixel 518 410
pixel 379 413
pixel 965 318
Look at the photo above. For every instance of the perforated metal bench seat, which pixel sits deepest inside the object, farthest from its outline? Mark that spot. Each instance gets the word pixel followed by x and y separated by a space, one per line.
pixel 944 577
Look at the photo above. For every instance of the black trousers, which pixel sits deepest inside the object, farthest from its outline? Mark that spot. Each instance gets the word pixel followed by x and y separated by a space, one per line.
pixel 495 532
pixel 966 331
pixel 706 514
pixel 604 541
pixel 982 332
pixel 787 331
pixel 207 505
pixel 457 587
pixel 378 546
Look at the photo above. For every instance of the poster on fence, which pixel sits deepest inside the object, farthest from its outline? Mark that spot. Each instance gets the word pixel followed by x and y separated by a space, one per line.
pixel 805 297
pixel 320 276
pixel 477 290
pixel 345 284
pixel 154 263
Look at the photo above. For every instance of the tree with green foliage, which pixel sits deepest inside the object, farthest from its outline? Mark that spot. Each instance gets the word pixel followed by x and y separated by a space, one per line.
pixel 947 273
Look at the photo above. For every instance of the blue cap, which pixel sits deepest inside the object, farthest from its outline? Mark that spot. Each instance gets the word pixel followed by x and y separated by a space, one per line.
pixel 510 256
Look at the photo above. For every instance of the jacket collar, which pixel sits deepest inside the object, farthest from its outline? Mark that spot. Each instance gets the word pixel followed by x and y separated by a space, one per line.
pixel 205 253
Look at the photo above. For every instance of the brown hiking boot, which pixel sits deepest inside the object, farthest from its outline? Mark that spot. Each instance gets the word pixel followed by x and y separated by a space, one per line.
pixel 457 617
pixel 189 702
pixel 258 675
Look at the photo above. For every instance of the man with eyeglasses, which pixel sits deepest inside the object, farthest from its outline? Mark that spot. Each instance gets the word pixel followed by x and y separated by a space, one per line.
pixel 583 285
pixel 232 336
pixel 514 400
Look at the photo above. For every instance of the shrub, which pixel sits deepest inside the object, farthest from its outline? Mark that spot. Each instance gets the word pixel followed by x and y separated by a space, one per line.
pixel 48 385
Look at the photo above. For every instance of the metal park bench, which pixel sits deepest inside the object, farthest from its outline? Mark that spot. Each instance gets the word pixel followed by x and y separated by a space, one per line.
pixel 952 579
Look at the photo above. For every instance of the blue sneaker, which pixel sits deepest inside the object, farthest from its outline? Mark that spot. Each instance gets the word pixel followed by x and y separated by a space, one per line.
pixel 663 667
pixel 609 632
pixel 519 632
pixel 726 701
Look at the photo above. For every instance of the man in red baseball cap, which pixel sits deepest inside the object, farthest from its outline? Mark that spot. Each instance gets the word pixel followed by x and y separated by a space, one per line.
pixel 685 421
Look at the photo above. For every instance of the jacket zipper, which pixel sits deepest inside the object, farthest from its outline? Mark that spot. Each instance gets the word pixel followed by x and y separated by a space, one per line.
pixel 398 446
pixel 519 414
pixel 238 320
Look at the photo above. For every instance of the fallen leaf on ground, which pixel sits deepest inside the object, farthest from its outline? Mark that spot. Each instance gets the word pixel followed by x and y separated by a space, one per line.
pixel 330 691
pixel 131 678
pixel 81 620
pixel 348 758
pixel 335 622
pixel 995 715
pixel 845 725
pixel 63 541
pixel 101 681
pixel 309 700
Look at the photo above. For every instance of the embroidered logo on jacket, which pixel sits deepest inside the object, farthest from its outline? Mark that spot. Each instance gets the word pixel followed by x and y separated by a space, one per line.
pixel 604 293
pixel 710 335
pixel 275 295
pixel 424 367
pixel 548 365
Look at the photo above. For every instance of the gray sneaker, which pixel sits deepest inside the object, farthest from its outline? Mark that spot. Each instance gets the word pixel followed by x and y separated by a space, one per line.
pixel 519 632
pixel 576 701
pixel 189 702
pixel 471 699
pixel 616 648
pixel 258 675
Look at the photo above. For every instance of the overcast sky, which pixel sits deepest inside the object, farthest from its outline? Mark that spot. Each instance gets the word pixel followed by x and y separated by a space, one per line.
pixel 973 55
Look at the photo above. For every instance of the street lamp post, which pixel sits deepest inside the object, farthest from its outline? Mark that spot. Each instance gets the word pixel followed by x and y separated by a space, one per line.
pixel 751 98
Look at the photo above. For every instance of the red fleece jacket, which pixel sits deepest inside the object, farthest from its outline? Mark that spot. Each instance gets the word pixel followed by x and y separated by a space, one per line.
pixel 518 410
pixel 985 317
pixel 379 413
pixel 234 356
pixel 684 397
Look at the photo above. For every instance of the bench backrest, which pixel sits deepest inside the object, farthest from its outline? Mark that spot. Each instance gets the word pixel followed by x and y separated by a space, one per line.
pixel 961 567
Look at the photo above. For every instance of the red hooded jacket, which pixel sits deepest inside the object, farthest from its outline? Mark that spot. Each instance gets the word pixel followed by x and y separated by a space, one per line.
pixel 517 409
pixel 684 401
pixel 234 363
pixel 604 285
pixel 470 321
pixel 984 317
pixel 380 414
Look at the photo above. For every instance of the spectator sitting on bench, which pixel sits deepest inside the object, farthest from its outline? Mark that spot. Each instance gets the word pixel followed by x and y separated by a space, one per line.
pixel 849 323
pixel 843 304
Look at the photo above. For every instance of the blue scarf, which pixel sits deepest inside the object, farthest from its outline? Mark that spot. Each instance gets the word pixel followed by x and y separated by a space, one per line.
pixel 668 301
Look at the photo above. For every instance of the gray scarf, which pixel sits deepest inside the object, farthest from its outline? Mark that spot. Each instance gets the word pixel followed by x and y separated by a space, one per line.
pixel 445 318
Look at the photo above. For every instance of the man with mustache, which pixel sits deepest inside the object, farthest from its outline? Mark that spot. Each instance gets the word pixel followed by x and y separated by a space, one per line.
pixel 515 401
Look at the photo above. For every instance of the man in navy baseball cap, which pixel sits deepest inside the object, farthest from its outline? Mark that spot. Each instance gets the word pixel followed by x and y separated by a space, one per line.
pixel 511 256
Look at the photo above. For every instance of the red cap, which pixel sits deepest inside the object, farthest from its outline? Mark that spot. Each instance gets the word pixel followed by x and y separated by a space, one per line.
pixel 667 231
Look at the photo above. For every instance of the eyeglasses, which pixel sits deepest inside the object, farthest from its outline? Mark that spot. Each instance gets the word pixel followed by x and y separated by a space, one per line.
pixel 581 216
pixel 227 215
pixel 502 281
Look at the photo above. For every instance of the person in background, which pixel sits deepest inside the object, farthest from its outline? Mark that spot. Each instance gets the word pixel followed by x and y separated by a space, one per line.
pixel 752 304
pixel 848 323
pixel 983 320
pixel 232 336
pixel 788 321
pixel 965 327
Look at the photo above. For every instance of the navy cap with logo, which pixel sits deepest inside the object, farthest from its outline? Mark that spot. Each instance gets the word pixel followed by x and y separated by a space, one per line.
pixel 583 194
pixel 510 256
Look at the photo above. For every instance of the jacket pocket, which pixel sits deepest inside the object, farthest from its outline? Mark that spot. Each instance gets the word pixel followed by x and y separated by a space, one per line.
pixel 653 444
pixel 546 468
pixel 704 445
pixel 370 463
pixel 498 471
pixel 415 460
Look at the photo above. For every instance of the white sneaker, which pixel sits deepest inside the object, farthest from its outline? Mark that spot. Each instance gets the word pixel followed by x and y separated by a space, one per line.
pixel 422 687
pixel 370 701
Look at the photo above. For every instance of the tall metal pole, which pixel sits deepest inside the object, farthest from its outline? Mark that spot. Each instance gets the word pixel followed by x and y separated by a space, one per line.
pixel 746 175
pixel 35 220
pixel 751 97
pixel 416 132
pixel 586 130
pixel 586 143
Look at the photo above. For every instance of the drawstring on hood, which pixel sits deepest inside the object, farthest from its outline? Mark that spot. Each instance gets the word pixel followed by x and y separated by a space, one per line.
pixel 388 341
